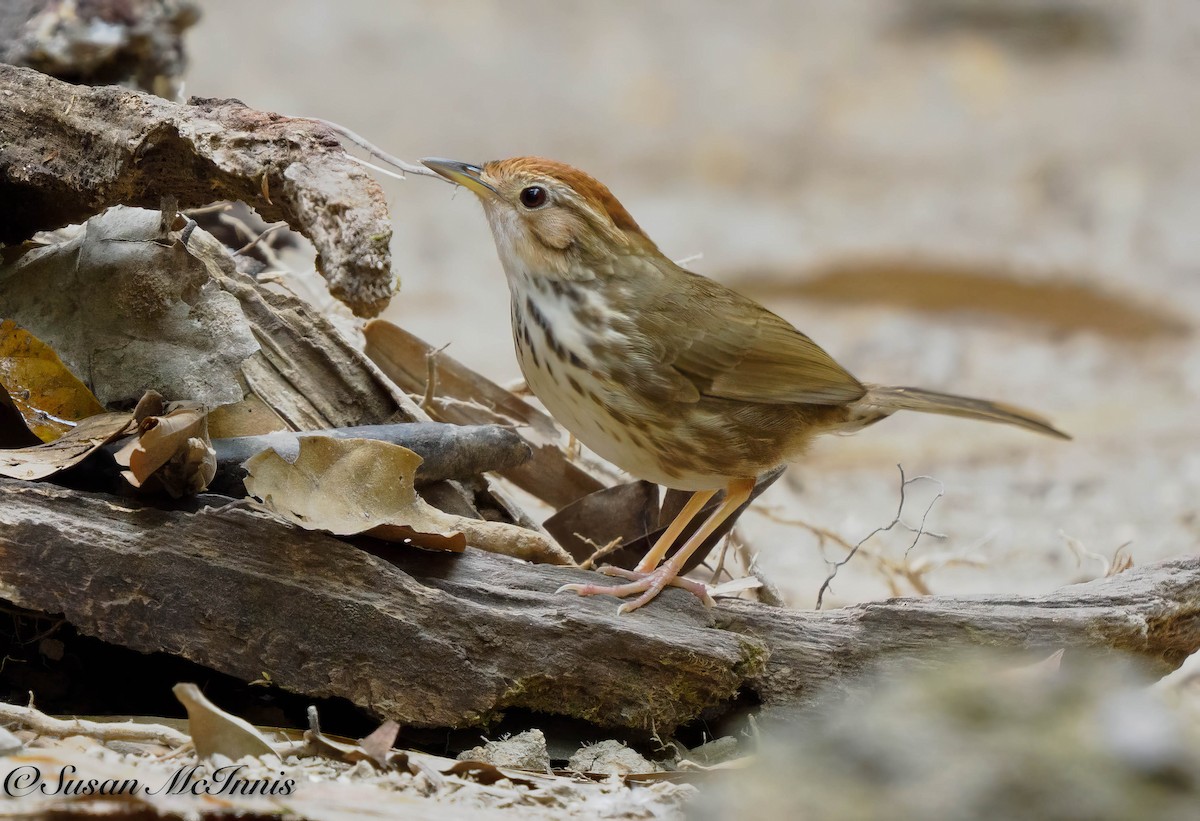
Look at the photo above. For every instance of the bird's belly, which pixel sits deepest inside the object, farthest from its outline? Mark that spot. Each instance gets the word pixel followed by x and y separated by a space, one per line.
pixel 654 452
pixel 578 408
pixel 682 445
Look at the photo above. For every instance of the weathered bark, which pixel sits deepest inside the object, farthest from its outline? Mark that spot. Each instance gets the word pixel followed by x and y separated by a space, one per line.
pixel 1150 612
pixel 68 152
pixel 306 371
pixel 440 641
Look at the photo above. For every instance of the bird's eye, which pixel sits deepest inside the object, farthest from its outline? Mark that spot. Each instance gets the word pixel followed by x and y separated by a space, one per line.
pixel 533 197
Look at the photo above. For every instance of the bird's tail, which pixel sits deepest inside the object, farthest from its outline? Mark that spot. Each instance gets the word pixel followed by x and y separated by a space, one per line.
pixel 882 400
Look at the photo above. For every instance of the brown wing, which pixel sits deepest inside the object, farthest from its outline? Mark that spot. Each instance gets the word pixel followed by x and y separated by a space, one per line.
pixel 733 348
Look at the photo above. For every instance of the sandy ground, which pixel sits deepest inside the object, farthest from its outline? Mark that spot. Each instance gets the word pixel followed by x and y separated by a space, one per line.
pixel 1051 143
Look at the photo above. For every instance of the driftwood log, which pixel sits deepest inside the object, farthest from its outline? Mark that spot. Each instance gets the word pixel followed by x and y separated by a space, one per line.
pixel 449 641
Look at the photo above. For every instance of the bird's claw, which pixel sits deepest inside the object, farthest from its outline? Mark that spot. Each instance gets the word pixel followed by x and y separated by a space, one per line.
pixel 649 585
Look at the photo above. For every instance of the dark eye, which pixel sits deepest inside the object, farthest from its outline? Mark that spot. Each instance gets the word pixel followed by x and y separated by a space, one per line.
pixel 533 197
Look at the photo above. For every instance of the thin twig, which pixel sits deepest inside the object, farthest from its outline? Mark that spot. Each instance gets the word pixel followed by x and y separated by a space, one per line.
pixel 904 483
pixel 47 633
pixel 600 551
pixel 920 530
pixel 768 592
pixel 216 207
pixel 252 237
pixel 39 722
pixel 720 567
pixel 889 569
pixel 431 378
pixel 271 229
pixel 822 533
pixel 238 225
pixel 19 615
pixel 1119 562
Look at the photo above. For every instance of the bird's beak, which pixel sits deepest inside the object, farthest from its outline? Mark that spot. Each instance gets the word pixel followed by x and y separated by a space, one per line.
pixel 461 173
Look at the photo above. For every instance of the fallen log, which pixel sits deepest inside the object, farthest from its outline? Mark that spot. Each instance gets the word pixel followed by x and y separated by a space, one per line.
pixel 449 641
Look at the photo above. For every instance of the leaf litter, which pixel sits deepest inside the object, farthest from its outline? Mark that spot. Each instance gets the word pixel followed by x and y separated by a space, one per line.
pixel 172 447
pixel 41 461
pixel 331 777
pixel 365 486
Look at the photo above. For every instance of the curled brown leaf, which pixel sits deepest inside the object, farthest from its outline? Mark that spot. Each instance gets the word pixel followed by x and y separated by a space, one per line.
pixel 40 461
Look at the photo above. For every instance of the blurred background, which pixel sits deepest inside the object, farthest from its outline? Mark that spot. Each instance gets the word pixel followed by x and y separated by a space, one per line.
pixel 994 198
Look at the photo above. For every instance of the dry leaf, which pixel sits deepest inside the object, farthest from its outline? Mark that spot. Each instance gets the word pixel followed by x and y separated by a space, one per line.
pixel 350 486
pixel 40 461
pixel 141 309
pixel 486 773
pixel 334 750
pixel 378 745
pixel 47 394
pixel 175 449
pixel 215 731
pixel 151 404
pixel 190 470
pixel 375 748
pixel 250 417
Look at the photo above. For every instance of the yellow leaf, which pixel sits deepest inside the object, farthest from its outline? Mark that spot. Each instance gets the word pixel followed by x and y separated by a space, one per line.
pixel 48 395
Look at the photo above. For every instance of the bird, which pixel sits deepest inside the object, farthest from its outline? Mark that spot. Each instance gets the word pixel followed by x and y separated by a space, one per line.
pixel 667 374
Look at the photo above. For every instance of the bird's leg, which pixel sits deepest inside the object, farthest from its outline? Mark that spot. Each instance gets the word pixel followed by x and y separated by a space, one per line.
pixel 651 584
pixel 667 539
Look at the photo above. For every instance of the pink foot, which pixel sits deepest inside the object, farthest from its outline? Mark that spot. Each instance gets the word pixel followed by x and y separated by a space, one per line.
pixel 648 584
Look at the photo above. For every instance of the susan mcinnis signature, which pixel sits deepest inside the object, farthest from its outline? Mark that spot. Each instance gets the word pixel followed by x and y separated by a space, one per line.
pixel 29 780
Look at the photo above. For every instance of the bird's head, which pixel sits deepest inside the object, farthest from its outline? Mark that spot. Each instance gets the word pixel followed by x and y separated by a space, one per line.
pixel 549 219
